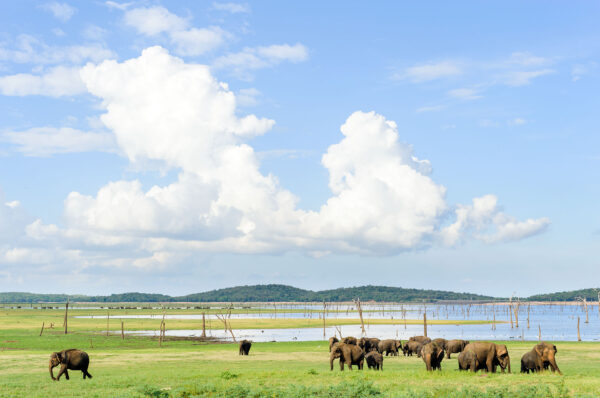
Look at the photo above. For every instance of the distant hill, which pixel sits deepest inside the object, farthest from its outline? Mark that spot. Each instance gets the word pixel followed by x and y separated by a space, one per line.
pixel 588 294
pixel 260 293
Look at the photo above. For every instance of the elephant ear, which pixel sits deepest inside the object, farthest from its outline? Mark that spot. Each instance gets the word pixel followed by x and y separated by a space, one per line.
pixel 539 349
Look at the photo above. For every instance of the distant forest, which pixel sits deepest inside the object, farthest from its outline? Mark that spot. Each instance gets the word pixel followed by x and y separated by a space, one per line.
pixel 278 293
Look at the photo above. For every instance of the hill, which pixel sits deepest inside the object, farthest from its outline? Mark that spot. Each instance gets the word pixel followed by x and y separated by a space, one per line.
pixel 588 294
pixel 260 293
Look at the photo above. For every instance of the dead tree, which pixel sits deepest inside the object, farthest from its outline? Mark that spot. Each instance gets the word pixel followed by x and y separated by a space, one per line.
pixel 359 309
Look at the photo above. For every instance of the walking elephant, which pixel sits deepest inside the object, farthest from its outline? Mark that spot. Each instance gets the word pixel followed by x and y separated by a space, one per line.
pixel 432 355
pixel 245 347
pixel 542 356
pixel 467 360
pixel 72 359
pixel 347 353
pixel 412 347
pixel 374 360
pixel 389 347
pixel 455 346
pixel 490 355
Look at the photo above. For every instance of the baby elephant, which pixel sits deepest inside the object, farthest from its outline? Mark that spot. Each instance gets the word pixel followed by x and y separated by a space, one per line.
pixel 467 360
pixel 72 359
pixel 374 360
pixel 245 347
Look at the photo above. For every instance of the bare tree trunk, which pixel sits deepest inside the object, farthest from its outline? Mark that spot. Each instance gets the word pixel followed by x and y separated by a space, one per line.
pixel 203 326
pixel 42 331
pixel 425 324
pixel 362 322
pixel 517 314
pixel 539 332
pixel 66 315
pixel 578 334
pixel 324 308
pixel 122 331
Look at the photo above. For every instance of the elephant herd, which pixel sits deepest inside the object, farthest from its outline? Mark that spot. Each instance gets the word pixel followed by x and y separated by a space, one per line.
pixel 473 356
pixel 350 351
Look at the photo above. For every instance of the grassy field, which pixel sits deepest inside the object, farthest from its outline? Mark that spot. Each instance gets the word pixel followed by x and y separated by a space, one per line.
pixel 137 367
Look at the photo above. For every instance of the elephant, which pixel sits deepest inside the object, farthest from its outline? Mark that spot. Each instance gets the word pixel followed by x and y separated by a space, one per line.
pixel 441 342
pixel 467 360
pixel 542 356
pixel 412 347
pixel 389 347
pixel 350 340
pixel 332 341
pixel 490 355
pixel 368 344
pixel 72 359
pixel 347 353
pixel 455 346
pixel 374 360
pixel 421 339
pixel 245 347
pixel 432 355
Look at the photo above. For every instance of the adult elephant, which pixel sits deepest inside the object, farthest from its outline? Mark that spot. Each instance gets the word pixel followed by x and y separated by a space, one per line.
pixel 412 347
pixel 420 339
pixel 490 355
pixel 441 342
pixel 347 353
pixel 72 359
pixel 432 355
pixel 350 340
pixel 245 347
pixel 542 356
pixel 332 341
pixel 388 346
pixel 467 360
pixel 455 346
pixel 369 344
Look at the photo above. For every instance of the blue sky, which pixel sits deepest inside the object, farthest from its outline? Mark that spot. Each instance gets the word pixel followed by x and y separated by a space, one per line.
pixel 177 147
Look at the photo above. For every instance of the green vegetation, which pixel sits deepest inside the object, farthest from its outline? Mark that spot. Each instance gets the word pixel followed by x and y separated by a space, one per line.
pixel 260 293
pixel 588 294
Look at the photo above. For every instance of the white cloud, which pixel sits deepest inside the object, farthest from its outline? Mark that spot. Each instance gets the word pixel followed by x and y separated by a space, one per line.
pixel 432 108
pixel 528 59
pixel 153 21
pixel 46 141
pixel 61 11
pixel 118 6
pixel 431 71
pixel 518 121
pixel 28 49
pixel 248 97
pixel 234 8
pixel 383 199
pixel 523 78
pixel 465 93
pixel 56 82
pixel 261 57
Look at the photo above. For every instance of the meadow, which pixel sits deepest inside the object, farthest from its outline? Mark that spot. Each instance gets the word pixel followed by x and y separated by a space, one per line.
pixel 139 367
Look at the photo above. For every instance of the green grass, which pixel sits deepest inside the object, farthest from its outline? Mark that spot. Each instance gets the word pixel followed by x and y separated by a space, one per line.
pixel 137 367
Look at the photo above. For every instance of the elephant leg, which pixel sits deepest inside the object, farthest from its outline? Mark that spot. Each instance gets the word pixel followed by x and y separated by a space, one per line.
pixel 66 374
pixel 63 369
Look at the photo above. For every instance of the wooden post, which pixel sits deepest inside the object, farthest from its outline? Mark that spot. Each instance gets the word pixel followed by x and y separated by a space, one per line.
pixel 122 331
pixel 324 307
pixel 203 326
pixel 425 324
pixel 42 331
pixel 66 315
pixel 578 334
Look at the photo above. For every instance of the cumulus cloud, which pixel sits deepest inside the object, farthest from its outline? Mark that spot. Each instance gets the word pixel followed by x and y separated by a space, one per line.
pixel 152 21
pixel 61 11
pixel 56 82
pixel 46 141
pixel 159 108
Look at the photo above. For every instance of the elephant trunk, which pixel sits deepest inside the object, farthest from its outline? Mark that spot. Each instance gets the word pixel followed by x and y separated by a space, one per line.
pixel 50 367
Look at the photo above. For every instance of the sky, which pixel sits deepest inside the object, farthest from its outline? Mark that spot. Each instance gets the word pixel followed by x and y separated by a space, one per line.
pixel 179 147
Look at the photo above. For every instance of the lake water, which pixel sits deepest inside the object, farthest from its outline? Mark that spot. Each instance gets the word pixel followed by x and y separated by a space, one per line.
pixel 557 322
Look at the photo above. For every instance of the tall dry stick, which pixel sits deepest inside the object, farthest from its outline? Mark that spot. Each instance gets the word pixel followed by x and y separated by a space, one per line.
pixel 516 308
pixel 122 331
pixel 42 331
pixel 425 324
pixel 203 326
pixel 539 332
pixel 324 309
pixel 359 308
pixel 578 334
pixel 66 315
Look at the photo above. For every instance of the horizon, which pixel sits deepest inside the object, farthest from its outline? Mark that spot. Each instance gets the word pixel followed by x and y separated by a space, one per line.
pixel 195 146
